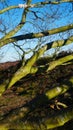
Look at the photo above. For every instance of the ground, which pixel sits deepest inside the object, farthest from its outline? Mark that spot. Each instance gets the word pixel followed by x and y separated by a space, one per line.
pixel 27 97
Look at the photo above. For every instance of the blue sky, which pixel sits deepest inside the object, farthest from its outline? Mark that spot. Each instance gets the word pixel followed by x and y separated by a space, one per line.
pixel 63 15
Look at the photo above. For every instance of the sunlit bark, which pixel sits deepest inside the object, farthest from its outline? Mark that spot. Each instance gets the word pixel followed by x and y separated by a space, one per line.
pixel 8 38
pixel 60 61
pixel 59 90
pixel 17 107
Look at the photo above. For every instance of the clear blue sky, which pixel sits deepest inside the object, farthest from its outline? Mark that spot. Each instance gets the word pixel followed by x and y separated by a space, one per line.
pixel 62 17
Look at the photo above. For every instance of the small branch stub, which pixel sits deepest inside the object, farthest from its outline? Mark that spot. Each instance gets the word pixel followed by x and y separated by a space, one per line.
pixel 25 5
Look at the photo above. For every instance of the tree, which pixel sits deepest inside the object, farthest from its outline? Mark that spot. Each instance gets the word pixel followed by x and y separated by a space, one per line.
pixel 30 97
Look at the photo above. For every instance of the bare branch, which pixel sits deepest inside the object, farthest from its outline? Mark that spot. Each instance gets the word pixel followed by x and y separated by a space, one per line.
pixel 6 40
pixel 40 4
pixel 60 61
pixel 8 8
pixel 27 68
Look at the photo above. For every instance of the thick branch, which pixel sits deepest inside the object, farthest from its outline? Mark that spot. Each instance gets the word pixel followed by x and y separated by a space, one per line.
pixel 27 68
pixel 41 4
pixel 33 5
pixel 60 43
pixel 58 62
pixel 54 92
pixel 7 38
pixel 59 119
pixel 44 33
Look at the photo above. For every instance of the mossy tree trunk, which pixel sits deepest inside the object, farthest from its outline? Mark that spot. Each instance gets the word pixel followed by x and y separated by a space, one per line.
pixel 37 93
